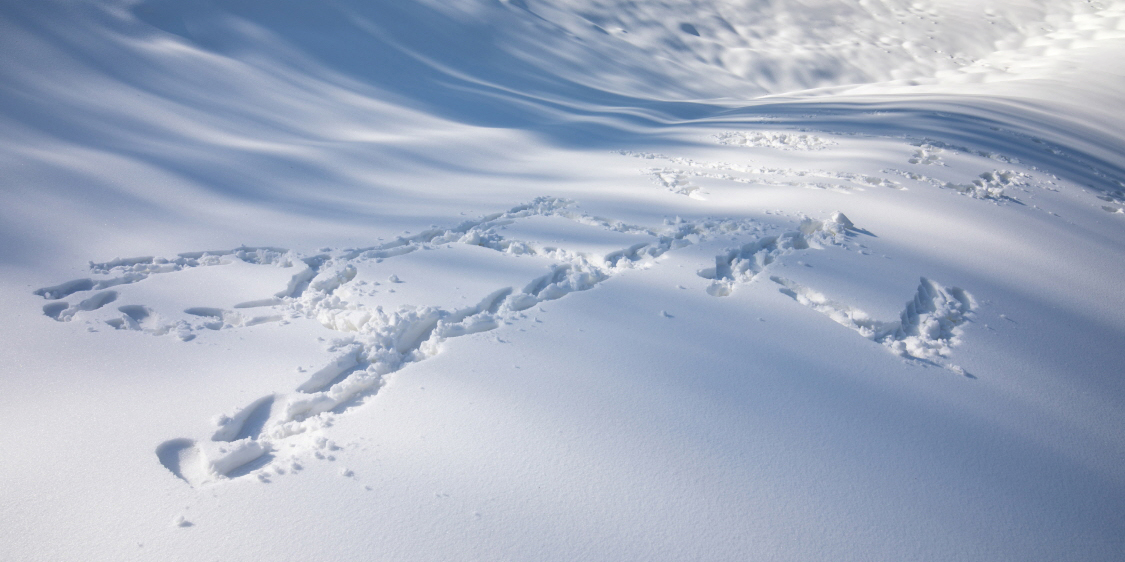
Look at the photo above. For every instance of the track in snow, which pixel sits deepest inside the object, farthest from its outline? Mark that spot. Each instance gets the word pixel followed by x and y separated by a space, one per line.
pixel 340 290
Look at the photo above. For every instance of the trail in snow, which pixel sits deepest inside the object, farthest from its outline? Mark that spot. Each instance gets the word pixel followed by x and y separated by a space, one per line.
pixel 927 328
pixel 328 288
pixel 991 183
pixel 341 289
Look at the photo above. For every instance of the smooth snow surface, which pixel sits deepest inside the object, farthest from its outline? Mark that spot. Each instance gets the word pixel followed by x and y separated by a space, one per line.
pixel 574 280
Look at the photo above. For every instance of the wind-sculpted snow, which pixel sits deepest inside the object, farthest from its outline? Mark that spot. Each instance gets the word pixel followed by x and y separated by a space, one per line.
pixel 667 50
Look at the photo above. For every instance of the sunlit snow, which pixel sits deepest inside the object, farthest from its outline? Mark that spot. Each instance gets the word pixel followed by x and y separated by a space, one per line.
pixel 562 280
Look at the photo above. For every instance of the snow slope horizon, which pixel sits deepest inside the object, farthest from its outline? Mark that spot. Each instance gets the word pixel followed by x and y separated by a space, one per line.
pixel 563 280
pixel 506 88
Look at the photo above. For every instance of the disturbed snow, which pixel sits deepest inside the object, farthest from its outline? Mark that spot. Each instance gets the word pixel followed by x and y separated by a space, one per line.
pixel 580 280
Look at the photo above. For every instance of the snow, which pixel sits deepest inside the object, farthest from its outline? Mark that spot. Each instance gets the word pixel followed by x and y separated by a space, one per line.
pixel 574 280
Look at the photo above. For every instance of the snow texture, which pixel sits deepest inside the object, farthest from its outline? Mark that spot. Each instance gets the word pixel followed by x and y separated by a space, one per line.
pixel 574 280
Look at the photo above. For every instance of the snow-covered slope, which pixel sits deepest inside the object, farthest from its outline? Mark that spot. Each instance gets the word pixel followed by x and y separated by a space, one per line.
pixel 574 280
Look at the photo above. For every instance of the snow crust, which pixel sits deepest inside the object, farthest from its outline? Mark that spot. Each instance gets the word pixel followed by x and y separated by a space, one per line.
pixel 570 280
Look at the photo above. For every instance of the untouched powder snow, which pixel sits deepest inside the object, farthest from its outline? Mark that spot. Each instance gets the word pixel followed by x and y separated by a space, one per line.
pixel 572 280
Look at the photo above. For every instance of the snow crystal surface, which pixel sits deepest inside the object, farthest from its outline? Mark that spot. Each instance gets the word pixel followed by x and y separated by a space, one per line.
pixel 573 280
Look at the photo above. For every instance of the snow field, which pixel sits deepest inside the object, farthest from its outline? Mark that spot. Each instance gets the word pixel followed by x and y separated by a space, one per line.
pixel 580 280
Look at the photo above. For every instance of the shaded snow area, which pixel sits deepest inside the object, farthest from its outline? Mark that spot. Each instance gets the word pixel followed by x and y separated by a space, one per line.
pixel 583 280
